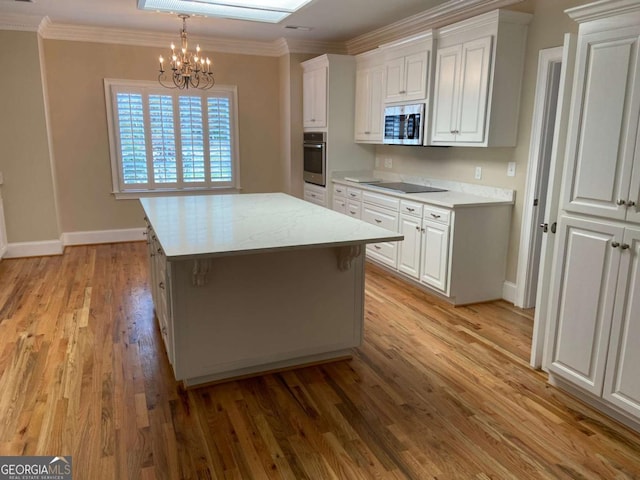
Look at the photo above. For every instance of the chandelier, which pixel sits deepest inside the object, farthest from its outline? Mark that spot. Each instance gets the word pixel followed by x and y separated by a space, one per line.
pixel 188 69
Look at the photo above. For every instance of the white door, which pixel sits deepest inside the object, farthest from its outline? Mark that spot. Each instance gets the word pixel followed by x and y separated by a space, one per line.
pixel 445 96
pixel 314 98
pixel 622 379
pixel 583 300
pixel 435 255
pixel 409 256
pixel 603 123
pixel 474 89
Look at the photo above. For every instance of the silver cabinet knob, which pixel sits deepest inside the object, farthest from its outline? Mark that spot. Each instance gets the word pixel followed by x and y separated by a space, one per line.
pixel 615 244
pixel 161 285
pixel 544 227
pixel 621 202
pixel 630 203
pixel 624 246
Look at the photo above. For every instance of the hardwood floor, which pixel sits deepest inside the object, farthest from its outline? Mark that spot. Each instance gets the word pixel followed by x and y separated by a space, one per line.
pixel 435 392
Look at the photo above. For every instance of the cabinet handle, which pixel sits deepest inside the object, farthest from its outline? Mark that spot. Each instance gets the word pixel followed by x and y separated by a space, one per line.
pixel 160 250
pixel 161 285
pixel 313 195
pixel 377 221
pixel 367 133
pixel 164 330
pixel 145 233
pixel 377 247
pixel 422 230
pixel 621 202
pixel 615 244
pixel 624 246
pixel 631 203
pixel 434 215
pixel 417 228
pixel 353 194
pixel 352 212
pixel 411 209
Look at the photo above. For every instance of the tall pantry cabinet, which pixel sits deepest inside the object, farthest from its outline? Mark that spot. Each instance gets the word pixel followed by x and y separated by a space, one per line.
pixel 594 328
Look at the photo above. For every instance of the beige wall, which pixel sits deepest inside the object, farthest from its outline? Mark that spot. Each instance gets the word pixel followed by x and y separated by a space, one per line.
pixel 75 73
pixel 547 29
pixel 28 190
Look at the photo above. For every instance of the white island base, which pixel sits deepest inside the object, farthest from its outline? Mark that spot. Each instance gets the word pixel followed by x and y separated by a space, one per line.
pixel 261 312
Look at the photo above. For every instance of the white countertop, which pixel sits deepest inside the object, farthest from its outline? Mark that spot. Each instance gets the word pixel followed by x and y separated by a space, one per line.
pixel 220 225
pixel 448 199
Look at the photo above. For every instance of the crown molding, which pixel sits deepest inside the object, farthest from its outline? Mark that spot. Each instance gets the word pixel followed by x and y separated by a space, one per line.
pixel 25 23
pixel 602 9
pixel 447 13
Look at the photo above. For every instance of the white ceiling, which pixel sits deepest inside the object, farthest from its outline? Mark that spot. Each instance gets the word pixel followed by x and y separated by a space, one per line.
pixel 330 20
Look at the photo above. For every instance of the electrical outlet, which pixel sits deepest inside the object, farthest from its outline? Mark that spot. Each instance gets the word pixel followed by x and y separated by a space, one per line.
pixel 388 163
pixel 511 169
pixel 478 174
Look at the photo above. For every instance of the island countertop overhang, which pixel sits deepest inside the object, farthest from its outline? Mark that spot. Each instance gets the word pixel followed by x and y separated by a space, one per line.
pixel 206 226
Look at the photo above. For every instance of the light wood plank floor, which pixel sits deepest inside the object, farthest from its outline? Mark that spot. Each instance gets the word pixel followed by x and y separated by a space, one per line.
pixel 435 392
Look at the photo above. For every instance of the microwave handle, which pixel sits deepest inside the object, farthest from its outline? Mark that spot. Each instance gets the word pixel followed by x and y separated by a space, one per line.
pixel 413 126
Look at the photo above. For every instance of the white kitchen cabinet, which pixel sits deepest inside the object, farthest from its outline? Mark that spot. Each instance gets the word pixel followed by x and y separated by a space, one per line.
pixel 595 294
pixel 434 270
pixel 461 89
pixel 407 68
pixel 411 246
pixel 436 252
pixel 602 160
pixel 315 194
pixel 340 204
pixel 478 77
pixel 622 387
pixel 370 90
pixel 314 96
pixel 583 302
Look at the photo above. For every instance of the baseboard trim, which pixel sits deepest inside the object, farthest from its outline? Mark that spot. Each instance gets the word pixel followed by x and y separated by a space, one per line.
pixel 509 290
pixel 34 249
pixel 103 236
pixel 56 247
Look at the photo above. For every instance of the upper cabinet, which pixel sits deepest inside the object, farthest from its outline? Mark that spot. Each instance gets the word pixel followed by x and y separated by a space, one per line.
pixel 478 75
pixel 314 88
pixel 603 163
pixel 407 69
pixel 370 91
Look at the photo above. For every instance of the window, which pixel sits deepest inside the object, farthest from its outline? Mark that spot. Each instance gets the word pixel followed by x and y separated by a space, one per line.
pixel 170 141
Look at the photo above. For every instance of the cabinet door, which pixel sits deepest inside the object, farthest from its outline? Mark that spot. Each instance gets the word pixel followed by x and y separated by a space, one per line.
pixel 314 98
pixel 445 96
pixel 409 256
pixel 416 67
pixel 622 386
pixel 340 205
pixel 603 123
pixel 369 104
pixel 474 89
pixel 395 79
pixel 582 300
pixel 435 255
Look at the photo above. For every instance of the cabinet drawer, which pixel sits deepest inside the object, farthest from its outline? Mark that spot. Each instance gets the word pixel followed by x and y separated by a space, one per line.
pixel 340 205
pixel 411 208
pixel 380 217
pixel 315 194
pixel 354 209
pixel 437 215
pixel 381 200
pixel 354 194
pixel 384 252
pixel 339 191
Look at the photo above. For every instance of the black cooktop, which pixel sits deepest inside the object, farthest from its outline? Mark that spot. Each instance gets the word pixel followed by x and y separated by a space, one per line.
pixel 406 187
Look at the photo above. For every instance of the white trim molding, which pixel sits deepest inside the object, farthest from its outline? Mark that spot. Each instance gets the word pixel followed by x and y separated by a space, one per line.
pixel 14 21
pixel 103 236
pixel 34 249
pixel 509 290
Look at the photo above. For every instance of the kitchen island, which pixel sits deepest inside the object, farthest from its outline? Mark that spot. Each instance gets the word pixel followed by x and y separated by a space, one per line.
pixel 244 284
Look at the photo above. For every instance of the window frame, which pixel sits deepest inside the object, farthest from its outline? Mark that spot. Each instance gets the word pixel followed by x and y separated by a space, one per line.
pixel 123 191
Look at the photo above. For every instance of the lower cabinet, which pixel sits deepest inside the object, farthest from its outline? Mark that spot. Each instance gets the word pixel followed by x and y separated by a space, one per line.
pixel 315 194
pixel 435 255
pixel 459 253
pixel 595 311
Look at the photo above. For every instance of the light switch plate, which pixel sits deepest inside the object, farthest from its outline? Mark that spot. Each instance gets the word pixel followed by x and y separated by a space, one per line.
pixel 478 174
pixel 511 169
pixel 388 163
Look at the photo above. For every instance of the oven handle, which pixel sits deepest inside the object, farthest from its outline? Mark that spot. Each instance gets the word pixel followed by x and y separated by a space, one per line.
pixel 311 145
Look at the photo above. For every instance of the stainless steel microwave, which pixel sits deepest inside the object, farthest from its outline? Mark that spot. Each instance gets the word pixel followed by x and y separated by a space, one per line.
pixel 315 158
pixel 404 124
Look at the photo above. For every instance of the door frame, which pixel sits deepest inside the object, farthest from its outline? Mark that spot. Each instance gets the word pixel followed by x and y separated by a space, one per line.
pixel 556 168
pixel 547 59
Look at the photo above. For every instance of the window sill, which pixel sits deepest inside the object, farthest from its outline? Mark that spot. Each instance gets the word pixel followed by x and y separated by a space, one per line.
pixel 134 194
